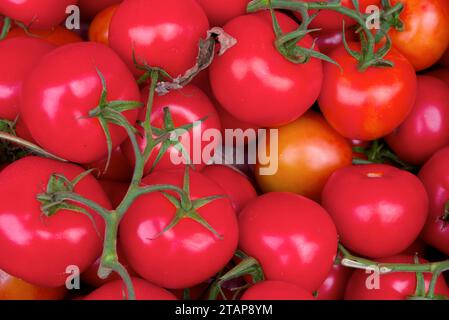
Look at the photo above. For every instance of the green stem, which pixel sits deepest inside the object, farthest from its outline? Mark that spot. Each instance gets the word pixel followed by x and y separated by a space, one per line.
pixel 6 27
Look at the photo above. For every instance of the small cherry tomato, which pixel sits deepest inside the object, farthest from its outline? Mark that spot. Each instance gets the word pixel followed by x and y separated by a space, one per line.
pixel 333 288
pixel 99 28
pixel 220 12
pixel 276 290
pixel 379 210
pixel 57 36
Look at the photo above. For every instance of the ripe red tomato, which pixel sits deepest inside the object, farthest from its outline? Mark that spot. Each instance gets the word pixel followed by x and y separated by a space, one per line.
pixel 118 169
pixel 12 288
pixel 38 249
pixel 379 210
pixel 22 131
pixel 445 59
pixel 393 286
pixel 371 104
pixel 115 191
pixel 333 288
pixel 435 177
pixel 220 12
pixel 57 36
pixel 90 9
pixel 276 290
pixel 58 96
pixel 426 31
pixel 189 253
pixel 440 73
pixel 116 290
pixel 236 185
pixel 292 237
pixel 99 28
pixel 308 152
pixel 186 106
pixel 329 40
pixel 19 56
pixel 160 33
pixel 426 129
pixel 37 14
pixel 255 83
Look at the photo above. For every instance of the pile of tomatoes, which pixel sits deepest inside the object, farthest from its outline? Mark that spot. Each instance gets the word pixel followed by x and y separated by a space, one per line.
pixel 92 205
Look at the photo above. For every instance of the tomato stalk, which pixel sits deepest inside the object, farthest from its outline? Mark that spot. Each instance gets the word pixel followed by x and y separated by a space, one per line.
pixel 6 27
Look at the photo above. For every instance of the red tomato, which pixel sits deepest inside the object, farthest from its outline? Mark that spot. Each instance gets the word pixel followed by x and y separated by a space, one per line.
pixel 292 237
pixel 99 28
pixel 196 293
pixel 22 131
pixel 308 152
pixel 57 36
pixel 189 253
pixel 276 290
pixel 379 210
pixel 160 33
pixel 435 177
pixel 116 290
pixel 445 59
pixel 235 184
pixel 220 12
pixel 12 288
pixel 276 91
pixel 426 31
pixel 371 104
pixel 186 106
pixel 90 9
pixel 426 129
pixel 115 191
pixel 417 248
pixel 38 249
pixel 393 286
pixel 333 288
pixel 58 96
pixel 329 40
pixel 118 169
pixel 19 56
pixel 440 73
pixel 37 14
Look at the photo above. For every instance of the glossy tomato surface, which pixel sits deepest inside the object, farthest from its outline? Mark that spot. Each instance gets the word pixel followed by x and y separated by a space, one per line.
pixel 90 9
pixel 57 35
pixel 426 129
pixel 307 152
pixel 19 56
pixel 160 33
pixel 255 83
pixel 58 96
pixel 276 290
pixel 99 27
pixel 187 254
pixel 379 210
pixel 333 288
pixel 370 104
pixel 220 12
pixel 38 249
pixel 292 237
pixel 426 31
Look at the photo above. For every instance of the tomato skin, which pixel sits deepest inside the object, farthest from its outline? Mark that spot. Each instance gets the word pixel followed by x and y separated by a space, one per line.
pixel 144 290
pixel 309 151
pixel 444 61
pixel 440 73
pixel 358 104
pixel 99 28
pixel 186 106
pixel 329 40
pixel 37 14
pixel 188 254
pixel 379 210
pixel 426 129
pixel 423 41
pixel 89 9
pixel 65 232
pixel 161 33
pixel 236 185
pixel 333 288
pixel 292 237
pixel 21 56
pixel 115 191
pixel 118 169
pixel 220 12
pixel 435 177
pixel 393 286
pixel 12 288
pixel 57 36
pixel 276 290
pixel 58 96
pixel 284 89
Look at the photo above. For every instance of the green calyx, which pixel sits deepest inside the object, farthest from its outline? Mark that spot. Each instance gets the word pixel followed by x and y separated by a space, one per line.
pixel 188 209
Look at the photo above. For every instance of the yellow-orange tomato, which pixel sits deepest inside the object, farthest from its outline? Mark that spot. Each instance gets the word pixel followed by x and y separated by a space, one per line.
pixel 58 36
pixel 309 151
pixel 12 288
pixel 426 31
pixel 99 28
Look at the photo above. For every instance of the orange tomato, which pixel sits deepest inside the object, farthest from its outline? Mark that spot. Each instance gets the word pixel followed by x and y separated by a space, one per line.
pixel 99 28
pixel 309 151
pixel 12 288
pixel 58 36
pixel 426 31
